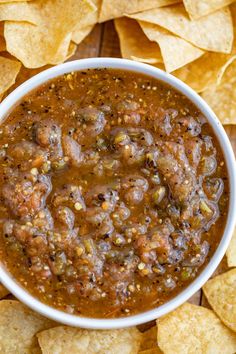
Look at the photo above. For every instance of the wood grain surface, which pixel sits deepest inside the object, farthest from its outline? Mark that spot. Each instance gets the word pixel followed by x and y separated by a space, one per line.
pixel 103 42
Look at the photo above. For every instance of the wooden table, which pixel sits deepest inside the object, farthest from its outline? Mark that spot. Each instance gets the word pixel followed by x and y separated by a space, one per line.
pixel 103 42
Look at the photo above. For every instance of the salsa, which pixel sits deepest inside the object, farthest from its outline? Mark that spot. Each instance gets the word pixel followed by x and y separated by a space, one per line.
pixel 114 193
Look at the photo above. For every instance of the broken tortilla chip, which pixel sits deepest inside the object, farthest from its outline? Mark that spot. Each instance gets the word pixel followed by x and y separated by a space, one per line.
pixel 221 294
pixel 205 33
pixel 194 329
pixel 130 36
pixel 8 72
pixel 112 9
pixel 176 52
pixel 48 42
pixel 75 340
pixel 231 251
pixel 199 8
pixel 222 98
pixel 18 326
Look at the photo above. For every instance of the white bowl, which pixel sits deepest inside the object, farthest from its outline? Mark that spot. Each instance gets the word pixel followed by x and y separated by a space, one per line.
pixel 123 64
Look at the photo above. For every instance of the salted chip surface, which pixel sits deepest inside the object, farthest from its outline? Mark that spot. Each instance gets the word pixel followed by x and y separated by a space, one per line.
pixel 212 33
pixel 3 291
pixel 72 340
pixel 84 27
pixel 199 8
pixel 18 326
pixel 131 36
pixel 9 70
pixel 222 99
pixel 90 17
pixel 18 11
pixel 231 251
pixel 112 8
pixel 48 42
pixel 193 329
pixel 200 80
pixel 176 52
pixel 221 294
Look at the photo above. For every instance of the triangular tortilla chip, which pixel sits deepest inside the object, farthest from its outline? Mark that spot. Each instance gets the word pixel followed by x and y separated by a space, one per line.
pixel 131 36
pixel 200 80
pixel 222 98
pixel 176 52
pixel 116 8
pixel 212 33
pixel 48 42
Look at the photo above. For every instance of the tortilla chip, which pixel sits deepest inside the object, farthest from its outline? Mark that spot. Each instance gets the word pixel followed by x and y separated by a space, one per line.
pixel 3 291
pixel 8 73
pixel 200 80
pixel 216 64
pixel 199 8
pixel 112 9
pixel 149 339
pixel 212 33
pixel 221 294
pixel 84 27
pixel 131 36
pixel 48 42
pixel 91 17
pixel 18 326
pixel 231 251
pixel 79 34
pixel 222 98
pixel 194 329
pixel 176 52
pixel 18 11
pixel 71 340
pixel 71 50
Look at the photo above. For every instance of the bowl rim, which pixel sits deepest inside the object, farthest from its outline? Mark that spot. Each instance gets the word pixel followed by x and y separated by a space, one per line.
pixel 123 64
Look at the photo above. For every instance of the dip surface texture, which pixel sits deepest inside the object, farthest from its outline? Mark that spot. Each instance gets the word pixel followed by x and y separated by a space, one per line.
pixel 114 193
